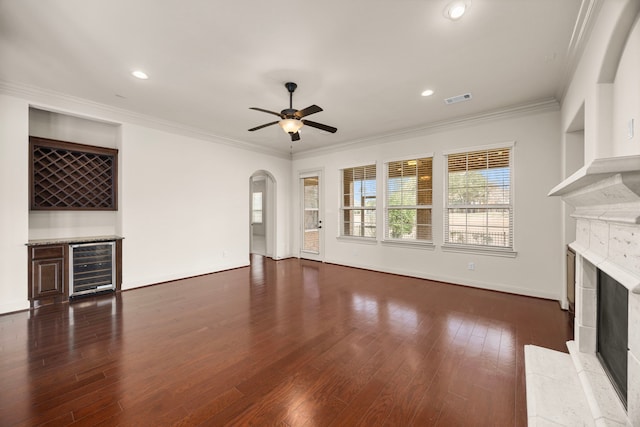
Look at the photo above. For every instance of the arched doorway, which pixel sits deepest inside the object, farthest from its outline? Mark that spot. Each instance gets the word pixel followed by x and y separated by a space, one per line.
pixel 262 214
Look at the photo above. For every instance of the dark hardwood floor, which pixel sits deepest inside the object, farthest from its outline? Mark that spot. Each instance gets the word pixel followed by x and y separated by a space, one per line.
pixel 291 343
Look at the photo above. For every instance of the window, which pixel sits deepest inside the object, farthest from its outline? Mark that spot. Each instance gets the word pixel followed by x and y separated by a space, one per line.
pixel 256 208
pixel 479 209
pixel 408 200
pixel 359 201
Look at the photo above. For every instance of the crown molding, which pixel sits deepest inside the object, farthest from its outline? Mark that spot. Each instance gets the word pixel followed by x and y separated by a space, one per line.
pixel 589 10
pixel 540 106
pixel 66 104
pixel 80 107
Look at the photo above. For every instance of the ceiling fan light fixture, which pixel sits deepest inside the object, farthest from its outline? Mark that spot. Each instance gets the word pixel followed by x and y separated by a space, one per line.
pixel 290 126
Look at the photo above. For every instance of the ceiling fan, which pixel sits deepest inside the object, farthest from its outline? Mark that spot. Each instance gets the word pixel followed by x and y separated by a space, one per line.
pixel 291 119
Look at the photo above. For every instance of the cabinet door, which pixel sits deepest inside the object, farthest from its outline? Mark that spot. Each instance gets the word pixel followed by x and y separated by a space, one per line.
pixel 48 276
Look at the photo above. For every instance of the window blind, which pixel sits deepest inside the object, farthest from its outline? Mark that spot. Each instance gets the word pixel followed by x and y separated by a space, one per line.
pixel 479 207
pixel 409 200
pixel 359 201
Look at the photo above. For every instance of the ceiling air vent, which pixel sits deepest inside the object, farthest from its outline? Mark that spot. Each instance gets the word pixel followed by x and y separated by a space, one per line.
pixel 459 98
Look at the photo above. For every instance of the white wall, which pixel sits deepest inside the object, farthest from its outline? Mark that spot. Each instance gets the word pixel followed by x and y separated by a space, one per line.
pixel 626 97
pixel 606 82
pixel 185 205
pixel 183 201
pixel 537 269
pixel 14 203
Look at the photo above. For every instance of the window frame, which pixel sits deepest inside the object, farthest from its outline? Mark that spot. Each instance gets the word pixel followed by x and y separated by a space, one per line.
pixel 343 208
pixel 504 251
pixel 414 242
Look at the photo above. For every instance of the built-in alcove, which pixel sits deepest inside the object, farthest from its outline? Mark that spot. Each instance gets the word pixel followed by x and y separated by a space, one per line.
pixel 574 144
pixel 47 224
pixel 573 160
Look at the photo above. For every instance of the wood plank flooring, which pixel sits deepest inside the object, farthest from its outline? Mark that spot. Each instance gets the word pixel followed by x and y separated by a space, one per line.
pixel 289 343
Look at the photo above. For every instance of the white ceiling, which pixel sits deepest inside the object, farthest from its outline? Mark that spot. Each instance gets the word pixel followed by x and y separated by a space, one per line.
pixel 365 62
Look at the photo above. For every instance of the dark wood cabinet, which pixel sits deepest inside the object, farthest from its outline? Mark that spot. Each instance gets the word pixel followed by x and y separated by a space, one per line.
pixel 50 270
pixel 48 281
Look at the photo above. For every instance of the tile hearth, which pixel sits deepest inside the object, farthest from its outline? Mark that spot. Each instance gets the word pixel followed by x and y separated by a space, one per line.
pixel 570 390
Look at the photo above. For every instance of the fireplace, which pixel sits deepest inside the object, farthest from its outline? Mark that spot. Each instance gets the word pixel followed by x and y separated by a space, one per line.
pixel 604 360
pixel 612 331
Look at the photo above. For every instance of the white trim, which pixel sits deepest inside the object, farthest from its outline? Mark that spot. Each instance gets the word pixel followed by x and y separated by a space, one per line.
pixel 410 157
pixel 307 173
pixel 359 164
pixel 358 239
pixel 583 27
pixel 506 144
pixel 480 250
pixel 446 279
pixel 411 244
pixel 49 100
pixel 271 209
pixel 536 107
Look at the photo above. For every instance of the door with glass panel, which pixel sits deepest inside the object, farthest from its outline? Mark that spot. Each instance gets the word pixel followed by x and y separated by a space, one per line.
pixel 311 221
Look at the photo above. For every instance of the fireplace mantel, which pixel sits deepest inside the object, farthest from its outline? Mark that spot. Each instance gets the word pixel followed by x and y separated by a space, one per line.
pixel 606 198
pixel 597 170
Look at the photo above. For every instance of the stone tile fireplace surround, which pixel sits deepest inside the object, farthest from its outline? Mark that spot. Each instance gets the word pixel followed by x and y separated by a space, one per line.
pixel 606 198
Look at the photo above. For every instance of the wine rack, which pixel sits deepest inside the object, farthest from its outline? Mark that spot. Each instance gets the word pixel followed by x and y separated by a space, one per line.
pixel 65 175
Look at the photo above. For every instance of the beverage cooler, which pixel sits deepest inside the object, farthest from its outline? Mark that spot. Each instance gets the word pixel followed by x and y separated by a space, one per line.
pixel 92 268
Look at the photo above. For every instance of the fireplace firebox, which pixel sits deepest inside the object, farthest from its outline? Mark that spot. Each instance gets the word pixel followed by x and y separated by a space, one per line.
pixel 612 331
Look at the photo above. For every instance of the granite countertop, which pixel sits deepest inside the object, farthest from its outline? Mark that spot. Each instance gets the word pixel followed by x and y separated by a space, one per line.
pixel 63 240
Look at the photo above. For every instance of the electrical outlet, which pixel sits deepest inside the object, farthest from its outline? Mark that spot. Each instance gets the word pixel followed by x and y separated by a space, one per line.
pixel 471 266
pixel 630 129
pixel 224 254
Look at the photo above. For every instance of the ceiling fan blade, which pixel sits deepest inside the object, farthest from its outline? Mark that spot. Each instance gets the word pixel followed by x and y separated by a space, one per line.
pixel 262 126
pixel 319 126
pixel 295 136
pixel 307 111
pixel 266 111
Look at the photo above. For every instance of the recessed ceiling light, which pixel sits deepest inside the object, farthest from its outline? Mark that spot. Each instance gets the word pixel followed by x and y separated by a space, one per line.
pixel 427 92
pixel 140 75
pixel 455 10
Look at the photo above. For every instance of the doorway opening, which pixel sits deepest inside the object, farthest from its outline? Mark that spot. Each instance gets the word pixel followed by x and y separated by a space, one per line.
pixel 262 214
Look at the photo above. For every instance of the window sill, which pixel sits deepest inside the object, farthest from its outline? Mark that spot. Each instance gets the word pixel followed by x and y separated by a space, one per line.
pixel 492 251
pixel 360 240
pixel 409 244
